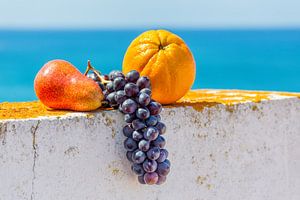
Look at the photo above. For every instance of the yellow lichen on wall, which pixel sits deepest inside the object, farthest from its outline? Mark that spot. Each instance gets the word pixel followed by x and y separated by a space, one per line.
pixel 230 97
pixel 23 110
pixel 198 99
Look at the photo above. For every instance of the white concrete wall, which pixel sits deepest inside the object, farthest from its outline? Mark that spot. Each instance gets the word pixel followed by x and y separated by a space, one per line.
pixel 249 151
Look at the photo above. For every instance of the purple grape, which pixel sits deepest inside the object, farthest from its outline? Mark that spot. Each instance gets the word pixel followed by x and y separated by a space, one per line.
pixel 120 108
pixel 143 82
pixel 119 83
pixel 131 89
pixel 111 75
pixel 147 91
pixel 129 117
pixel 119 74
pixel 159 142
pixel 151 134
pixel 138 169
pixel 120 97
pixel 137 124
pixel 144 145
pixel 114 74
pixel 151 178
pixel 141 180
pixel 129 155
pixel 138 156
pixel 168 162
pixel 161 180
pixel 151 121
pixel 144 99
pixel 127 130
pixel 149 165
pixel 153 153
pixel 130 144
pixel 137 136
pixel 129 106
pixel 105 93
pixel 132 76
pixel 163 168
pixel 93 76
pixel 111 98
pixel 110 87
pixel 161 127
pixel 158 117
pixel 154 108
pixel 163 156
pixel 142 113
pixel 101 85
pixel 106 77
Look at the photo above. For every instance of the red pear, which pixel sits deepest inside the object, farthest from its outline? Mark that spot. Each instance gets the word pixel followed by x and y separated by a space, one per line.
pixel 60 85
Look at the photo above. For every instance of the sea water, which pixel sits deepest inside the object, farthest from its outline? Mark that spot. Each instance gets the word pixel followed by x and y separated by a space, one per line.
pixel 231 59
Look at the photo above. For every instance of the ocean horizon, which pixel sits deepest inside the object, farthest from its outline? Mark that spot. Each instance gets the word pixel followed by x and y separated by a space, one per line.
pixel 256 59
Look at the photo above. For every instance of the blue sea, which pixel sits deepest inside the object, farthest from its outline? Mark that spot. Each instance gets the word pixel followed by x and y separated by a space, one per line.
pixel 231 59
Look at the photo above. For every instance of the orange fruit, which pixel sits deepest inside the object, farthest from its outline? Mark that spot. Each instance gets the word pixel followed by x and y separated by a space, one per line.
pixel 166 60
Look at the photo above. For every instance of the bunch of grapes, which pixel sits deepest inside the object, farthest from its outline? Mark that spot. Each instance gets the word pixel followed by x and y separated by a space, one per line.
pixel 131 94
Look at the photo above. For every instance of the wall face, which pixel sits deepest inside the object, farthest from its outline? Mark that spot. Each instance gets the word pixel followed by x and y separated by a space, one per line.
pixel 246 151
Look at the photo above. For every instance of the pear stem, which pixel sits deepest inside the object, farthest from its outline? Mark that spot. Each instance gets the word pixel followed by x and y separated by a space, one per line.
pixel 90 67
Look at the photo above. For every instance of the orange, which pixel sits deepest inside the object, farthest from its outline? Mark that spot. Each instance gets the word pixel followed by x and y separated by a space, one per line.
pixel 166 60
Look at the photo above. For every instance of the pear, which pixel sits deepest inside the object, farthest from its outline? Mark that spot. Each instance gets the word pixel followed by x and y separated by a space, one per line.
pixel 60 85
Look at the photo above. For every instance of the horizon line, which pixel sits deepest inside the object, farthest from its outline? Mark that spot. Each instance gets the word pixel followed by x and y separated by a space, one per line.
pixel 208 28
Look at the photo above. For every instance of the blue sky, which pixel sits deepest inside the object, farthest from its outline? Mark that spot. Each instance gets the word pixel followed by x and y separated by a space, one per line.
pixel 158 13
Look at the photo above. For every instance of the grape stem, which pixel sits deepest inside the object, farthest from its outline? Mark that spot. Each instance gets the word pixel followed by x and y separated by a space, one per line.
pixel 90 67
